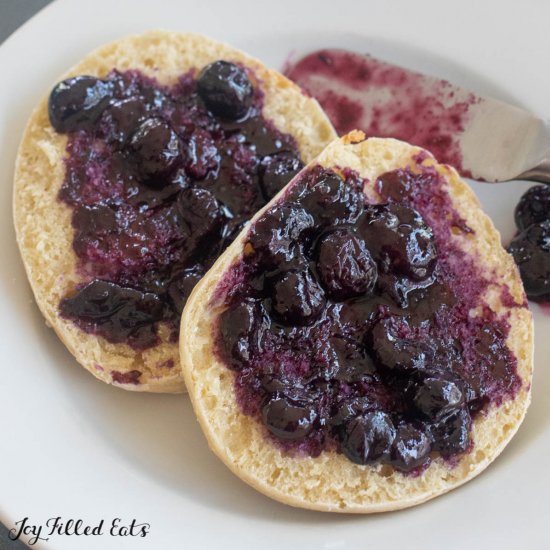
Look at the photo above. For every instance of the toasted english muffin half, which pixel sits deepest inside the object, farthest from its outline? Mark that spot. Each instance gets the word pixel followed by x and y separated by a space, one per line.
pixel 43 222
pixel 330 481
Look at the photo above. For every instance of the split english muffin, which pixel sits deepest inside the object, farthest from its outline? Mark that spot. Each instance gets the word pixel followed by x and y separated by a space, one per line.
pixel 142 165
pixel 365 344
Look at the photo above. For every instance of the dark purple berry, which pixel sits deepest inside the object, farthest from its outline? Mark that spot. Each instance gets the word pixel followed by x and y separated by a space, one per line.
pixel 368 438
pixel 395 351
pixel 274 236
pixel 357 315
pixel 182 284
pixel 350 358
pixel 241 328
pixel 279 171
pixel 451 434
pixel 156 149
pixel 117 313
pixel 202 155
pixel 297 298
pixel 347 409
pixel 531 252
pixel 397 185
pixel 226 90
pixel 345 266
pixel 436 397
pixel 331 200
pixel 410 449
pixel 77 103
pixel 199 217
pixel 199 211
pixel 122 117
pixel 287 418
pixel 533 207
pixel 400 240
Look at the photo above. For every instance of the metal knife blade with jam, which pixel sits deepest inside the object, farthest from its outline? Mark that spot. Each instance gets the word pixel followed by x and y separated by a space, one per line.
pixel 383 100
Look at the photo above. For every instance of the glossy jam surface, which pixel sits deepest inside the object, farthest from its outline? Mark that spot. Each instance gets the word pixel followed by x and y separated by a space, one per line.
pixel 531 246
pixel 160 180
pixel 383 100
pixel 348 324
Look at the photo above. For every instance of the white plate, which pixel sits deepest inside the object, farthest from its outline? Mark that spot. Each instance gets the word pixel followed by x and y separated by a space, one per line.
pixel 74 447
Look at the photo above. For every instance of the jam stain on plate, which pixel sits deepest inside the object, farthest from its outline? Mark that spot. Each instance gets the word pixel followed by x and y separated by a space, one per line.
pixel 383 100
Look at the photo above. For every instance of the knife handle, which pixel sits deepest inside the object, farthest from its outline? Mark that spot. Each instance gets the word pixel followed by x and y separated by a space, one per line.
pixel 539 173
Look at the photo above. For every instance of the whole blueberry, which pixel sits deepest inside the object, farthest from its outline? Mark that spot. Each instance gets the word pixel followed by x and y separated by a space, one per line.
pixel 278 383
pixel 77 103
pixel 345 266
pixel 288 418
pixel 396 185
pixel 199 216
pixel 95 220
pixel 350 361
pixel 331 200
pixel 121 118
pixel 394 351
pixel 241 327
pixel 297 298
pixel 226 90
pixel 275 236
pixel 531 252
pixel 118 313
pixel 410 449
pixel 345 410
pixel 402 243
pixel 202 156
pixel 533 207
pixel 451 433
pixel 280 169
pixel 368 437
pixel 435 397
pixel 156 149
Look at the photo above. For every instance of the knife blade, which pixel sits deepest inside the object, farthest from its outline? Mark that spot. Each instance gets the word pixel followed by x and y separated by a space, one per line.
pixel 484 138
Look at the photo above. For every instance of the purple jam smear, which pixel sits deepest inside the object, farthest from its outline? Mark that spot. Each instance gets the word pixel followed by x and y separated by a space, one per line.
pixel 160 180
pixel 130 377
pixel 360 92
pixel 348 325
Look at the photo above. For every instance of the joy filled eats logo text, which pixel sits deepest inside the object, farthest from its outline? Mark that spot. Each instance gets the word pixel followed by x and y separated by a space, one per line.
pixel 32 533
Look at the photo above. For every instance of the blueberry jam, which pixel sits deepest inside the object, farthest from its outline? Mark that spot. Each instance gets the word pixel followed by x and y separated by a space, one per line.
pixel 531 246
pixel 360 92
pixel 160 180
pixel 348 325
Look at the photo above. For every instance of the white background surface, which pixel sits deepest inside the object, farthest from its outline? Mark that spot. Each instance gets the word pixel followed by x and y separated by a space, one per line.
pixel 72 446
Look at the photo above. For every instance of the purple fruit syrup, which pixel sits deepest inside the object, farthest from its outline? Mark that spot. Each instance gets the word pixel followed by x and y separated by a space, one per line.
pixel 348 324
pixel 160 179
